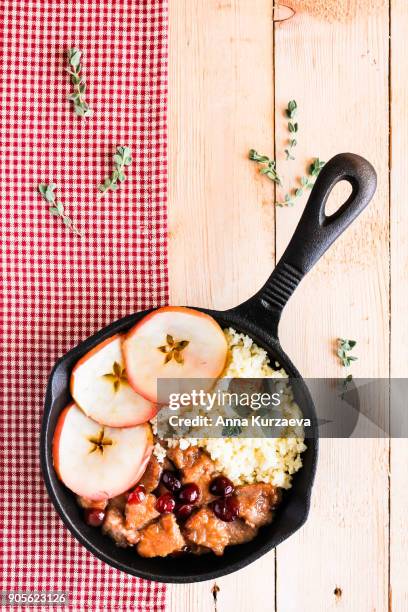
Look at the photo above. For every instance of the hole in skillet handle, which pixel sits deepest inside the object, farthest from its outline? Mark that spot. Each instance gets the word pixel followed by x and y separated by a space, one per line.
pixel 314 234
pixel 340 193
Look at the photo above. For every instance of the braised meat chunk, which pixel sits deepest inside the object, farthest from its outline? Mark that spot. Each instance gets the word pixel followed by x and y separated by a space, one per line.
pixel 197 467
pixel 151 478
pixel 114 526
pixel 161 538
pixel 183 458
pixel 256 502
pixel 139 514
pixel 205 529
pixel 239 532
pixel 118 502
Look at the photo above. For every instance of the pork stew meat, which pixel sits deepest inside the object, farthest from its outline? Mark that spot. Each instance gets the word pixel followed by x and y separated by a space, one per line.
pixel 114 526
pixel 161 538
pixel 195 466
pixel 140 514
pixel 256 503
pixel 151 478
pixel 138 520
pixel 205 529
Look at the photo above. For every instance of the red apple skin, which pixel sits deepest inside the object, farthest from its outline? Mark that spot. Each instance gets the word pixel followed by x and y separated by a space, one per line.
pixel 56 438
pixel 133 382
pixel 148 416
pixel 55 453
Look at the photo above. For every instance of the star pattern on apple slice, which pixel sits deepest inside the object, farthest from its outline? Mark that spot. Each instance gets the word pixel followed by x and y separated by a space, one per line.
pixel 99 442
pixel 173 349
pixel 117 376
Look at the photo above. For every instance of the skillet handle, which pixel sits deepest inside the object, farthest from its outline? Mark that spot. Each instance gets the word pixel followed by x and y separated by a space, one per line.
pixel 316 231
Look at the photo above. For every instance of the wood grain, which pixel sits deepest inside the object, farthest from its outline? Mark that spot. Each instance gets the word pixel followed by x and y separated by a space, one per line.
pixel 338 75
pixel 225 70
pixel 399 284
pixel 221 216
pixel 221 222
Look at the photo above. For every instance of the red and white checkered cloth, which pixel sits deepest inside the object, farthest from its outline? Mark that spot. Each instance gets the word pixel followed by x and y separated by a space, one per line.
pixel 57 289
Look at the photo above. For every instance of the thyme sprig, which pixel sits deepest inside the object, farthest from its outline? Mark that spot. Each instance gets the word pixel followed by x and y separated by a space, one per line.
pixel 343 350
pixel 81 107
pixel 305 182
pixel 56 207
pixel 344 386
pixel 268 166
pixel 121 159
pixel 293 128
pixel 231 431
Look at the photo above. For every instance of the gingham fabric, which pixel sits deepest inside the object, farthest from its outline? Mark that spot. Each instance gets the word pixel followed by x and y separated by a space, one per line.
pixel 57 289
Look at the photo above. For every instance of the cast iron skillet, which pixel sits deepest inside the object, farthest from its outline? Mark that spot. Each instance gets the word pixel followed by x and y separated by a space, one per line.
pixel 259 318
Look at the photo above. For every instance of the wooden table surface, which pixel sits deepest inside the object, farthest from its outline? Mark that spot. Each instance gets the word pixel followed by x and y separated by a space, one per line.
pixel 232 72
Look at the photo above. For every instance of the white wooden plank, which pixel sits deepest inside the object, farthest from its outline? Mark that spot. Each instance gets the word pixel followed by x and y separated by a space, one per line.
pixel 399 300
pixel 250 588
pixel 338 75
pixel 221 217
pixel 221 245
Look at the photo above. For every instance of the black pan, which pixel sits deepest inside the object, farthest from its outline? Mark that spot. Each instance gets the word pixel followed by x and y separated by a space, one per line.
pixel 259 318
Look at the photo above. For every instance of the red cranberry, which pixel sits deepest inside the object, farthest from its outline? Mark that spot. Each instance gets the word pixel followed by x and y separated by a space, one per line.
pixel 137 495
pixel 94 517
pixel 189 493
pixel 225 509
pixel 165 503
pixel 171 480
pixel 183 511
pixel 221 486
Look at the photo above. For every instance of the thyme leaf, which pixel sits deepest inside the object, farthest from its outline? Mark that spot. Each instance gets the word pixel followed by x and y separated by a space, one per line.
pixel 345 383
pixel 293 128
pixel 232 431
pixel 56 207
pixel 121 159
pixel 343 350
pixel 305 182
pixel 77 97
pixel 267 166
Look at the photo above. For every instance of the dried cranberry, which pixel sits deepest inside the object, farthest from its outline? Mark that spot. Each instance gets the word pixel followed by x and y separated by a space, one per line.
pixel 137 495
pixel 171 480
pixel 189 493
pixel 225 509
pixel 165 503
pixel 222 486
pixel 183 511
pixel 94 517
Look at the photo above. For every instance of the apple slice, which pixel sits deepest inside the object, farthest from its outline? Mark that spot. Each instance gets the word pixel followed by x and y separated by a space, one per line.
pixel 173 342
pixel 99 462
pixel 100 388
